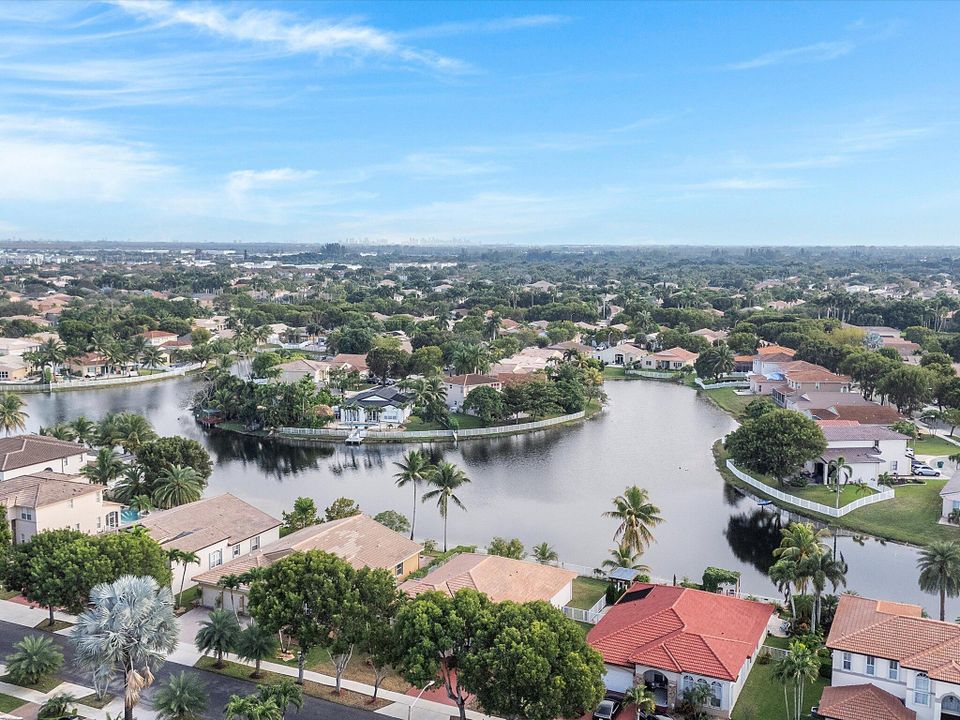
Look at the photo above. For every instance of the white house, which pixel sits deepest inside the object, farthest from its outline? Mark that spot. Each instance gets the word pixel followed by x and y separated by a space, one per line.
pixel 869 451
pixel 950 496
pixel 156 338
pixel 31 454
pixel 459 386
pixel 216 529
pixel 52 501
pixel 672 359
pixel 894 648
pixel 377 406
pixel 625 353
pixel 671 638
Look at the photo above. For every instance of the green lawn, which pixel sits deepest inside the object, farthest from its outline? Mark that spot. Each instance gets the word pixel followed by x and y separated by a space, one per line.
pixel 728 400
pixel 586 592
pixel 45 685
pixel 934 445
pixel 185 599
pixel 466 422
pixel 614 372
pixel 777 642
pixel 762 695
pixel 8 703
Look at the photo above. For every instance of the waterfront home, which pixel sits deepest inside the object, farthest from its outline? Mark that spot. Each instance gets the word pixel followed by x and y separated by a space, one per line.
pixel 18 346
pixel 296 370
pixel 360 540
pixel 386 405
pixel 861 702
pixel 672 359
pixel 351 363
pixel 950 497
pixel 459 386
pixel 499 578
pixel 156 338
pixel 13 367
pixel 91 364
pixel 781 373
pixel 625 353
pixel 529 360
pixel 31 454
pixel 868 450
pixel 216 529
pixel 672 638
pixel 50 501
pixel 832 405
pixel 894 648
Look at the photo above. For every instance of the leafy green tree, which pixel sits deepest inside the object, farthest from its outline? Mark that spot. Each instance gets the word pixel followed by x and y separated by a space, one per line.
pixel 486 403
pixel 133 552
pixel 426 360
pixel 264 365
pixel 529 661
pixel 304 514
pixel 637 517
pixel 257 644
pixel 393 520
pixel 939 565
pixel 340 508
pixel 446 479
pixel 908 387
pixel 157 455
pixel 34 658
pixel 757 407
pixel 414 470
pixel 507 548
pixel 6 537
pixel 183 697
pixel 218 634
pixel 778 443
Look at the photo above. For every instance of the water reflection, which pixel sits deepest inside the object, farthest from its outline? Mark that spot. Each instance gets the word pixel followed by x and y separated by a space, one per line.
pixel 753 536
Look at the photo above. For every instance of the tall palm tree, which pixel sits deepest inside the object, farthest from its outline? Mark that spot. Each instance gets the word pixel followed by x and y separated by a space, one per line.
pixel 132 430
pixel 414 469
pixel 445 479
pixel 640 696
pixel 177 485
pixel 141 503
pixel 152 357
pixel 637 516
pixel 822 569
pixel 137 346
pixel 286 693
pixel 183 558
pixel 127 633
pixel 60 431
pixel 256 643
pixel 545 554
pixel 799 666
pixel 132 484
pixel 12 416
pixel 218 634
pixel 799 542
pixel 105 468
pixel 939 565
pixel 624 556
pixel 184 697
pixel 783 574
pixel 232 583
pixel 84 430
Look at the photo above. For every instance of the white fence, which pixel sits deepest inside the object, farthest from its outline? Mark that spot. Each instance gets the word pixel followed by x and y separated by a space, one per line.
pixel 86 384
pixel 885 494
pixel 726 384
pixel 591 616
pixel 653 374
pixel 414 435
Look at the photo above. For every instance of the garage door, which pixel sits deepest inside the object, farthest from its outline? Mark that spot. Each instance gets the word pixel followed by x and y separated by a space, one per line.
pixel 617 679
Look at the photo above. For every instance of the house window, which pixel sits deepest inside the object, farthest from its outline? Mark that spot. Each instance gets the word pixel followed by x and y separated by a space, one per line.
pixel 716 696
pixel 921 694
pixel 686 683
pixel 99 522
pixel 398 570
pixel 847 661
pixel 216 558
pixel 871 665
pixel 255 542
pixel 894 672
pixel 236 550
pixel 893 465
pixel 26 515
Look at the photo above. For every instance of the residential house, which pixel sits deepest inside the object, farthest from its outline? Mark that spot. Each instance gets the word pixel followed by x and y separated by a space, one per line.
pixel 861 702
pixel 32 454
pixel 296 370
pixel 950 497
pixel 672 638
pixel 13 367
pixel 800 376
pixel 711 335
pixel 459 386
pixel 91 364
pixel 672 359
pixel 18 346
pixel 386 405
pixel 351 363
pixel 216 529
pixel 624 354
pixel 869 451
pixel 50 501
pixel 499 578
pixel 529 360
pixel 156 338
pixel 360 540
pixel 892 647
pixel 831 405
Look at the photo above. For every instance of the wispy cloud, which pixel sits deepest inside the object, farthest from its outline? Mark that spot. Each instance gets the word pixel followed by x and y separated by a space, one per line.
pixel 288 33
pixel 873 136
pixel 496 25
pixel 739 183
pixel 815 53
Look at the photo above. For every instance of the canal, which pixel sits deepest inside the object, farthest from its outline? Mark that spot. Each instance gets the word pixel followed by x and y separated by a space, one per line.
pixel 552 486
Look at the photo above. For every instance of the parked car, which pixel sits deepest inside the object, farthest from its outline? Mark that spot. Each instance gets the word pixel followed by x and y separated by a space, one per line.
pixel 926 471
pixel 608 708
pixel 909 452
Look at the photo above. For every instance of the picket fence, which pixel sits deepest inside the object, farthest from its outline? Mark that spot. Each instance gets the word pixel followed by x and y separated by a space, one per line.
pixel 86 384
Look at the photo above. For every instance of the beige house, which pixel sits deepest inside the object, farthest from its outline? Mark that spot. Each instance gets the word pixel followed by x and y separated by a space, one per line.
pixel 89 364
pixel 672 359
pixel 156 338
pixel 18 346
pixel 217 530
pixel 459 386
pixel 51 501
pixel 499 578
pixel 13 367
pixel 31 454
pixel 296 370
pixel 360 540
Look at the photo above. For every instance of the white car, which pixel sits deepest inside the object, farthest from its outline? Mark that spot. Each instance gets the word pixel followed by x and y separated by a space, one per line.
pixel 925 471
pixel 909 452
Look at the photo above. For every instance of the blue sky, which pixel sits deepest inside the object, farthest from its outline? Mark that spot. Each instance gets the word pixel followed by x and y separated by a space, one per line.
pixel 579 123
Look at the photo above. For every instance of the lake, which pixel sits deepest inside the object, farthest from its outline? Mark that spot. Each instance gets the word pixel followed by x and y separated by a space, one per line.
pixel 551 486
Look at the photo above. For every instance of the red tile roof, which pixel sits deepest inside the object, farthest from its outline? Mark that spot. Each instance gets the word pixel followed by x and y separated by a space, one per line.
pixel 681 630
pixel 862 702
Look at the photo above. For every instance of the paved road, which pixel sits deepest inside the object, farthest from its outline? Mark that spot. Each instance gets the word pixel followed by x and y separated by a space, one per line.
pixel 219 687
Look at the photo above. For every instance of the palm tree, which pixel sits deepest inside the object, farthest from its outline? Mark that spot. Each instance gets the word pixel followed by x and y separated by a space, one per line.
pixel 640 696
pixel 84 430
pixel 34 658
pixel 141 503
pixel 131 431
pixel 545 554
pixel 12 416
pixel 137 346
pixel 624 556
pixel 128 632
pixel 939 565
pixel 257 644
pixel 800 541
pixel 153 357
pixel 57 707
pixel 637 516
pixel 251 707
pixel 218 634
pixel 184 558
pixel 445 479
pixel 285 693
pixel 783 574
pixel 132 484
pixel 184 697
pixel 177 485
pixel 799 666
pixel 822 569
pixel 60 431
pixel 414 469
pixel 231 582
pixel 105 468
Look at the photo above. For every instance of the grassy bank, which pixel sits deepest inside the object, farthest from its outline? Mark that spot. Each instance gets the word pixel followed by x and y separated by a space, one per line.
pixel 728 400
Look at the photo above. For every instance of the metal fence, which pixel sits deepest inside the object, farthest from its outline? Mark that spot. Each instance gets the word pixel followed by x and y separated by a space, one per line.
pixel 885 494
pixel 725 384
pixel 653 374
pixel 95 383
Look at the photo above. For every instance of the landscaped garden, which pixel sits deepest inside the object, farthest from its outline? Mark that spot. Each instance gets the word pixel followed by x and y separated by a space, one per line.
pixel 762 695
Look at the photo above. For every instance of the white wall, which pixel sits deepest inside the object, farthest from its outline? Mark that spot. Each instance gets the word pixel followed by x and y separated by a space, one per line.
pixel 564 596
pixel 68 466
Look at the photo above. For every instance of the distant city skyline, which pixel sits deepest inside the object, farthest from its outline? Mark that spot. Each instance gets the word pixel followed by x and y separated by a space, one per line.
pixel 481 123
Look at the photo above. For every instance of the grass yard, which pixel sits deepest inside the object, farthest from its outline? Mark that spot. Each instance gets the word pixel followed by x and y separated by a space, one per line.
pixel 186 598
pixel 934 445
pixel 614 372
pixel 762 695
pixel 586 592
pixel 57 625
pixel 466 422
pixel 727 399
pixel 242 672
pixel 45 685
pixel 8 703
pixel 777 642
pixel 7 594
pixel 318 660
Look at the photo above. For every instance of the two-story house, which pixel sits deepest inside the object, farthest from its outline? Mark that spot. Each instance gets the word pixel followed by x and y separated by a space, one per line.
pixel 459 386
pixel 375 407
pixel 892 647
pixel 868 451
pixel 31 454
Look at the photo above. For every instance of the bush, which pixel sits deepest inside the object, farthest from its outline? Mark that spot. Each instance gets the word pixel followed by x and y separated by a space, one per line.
pixel 35 658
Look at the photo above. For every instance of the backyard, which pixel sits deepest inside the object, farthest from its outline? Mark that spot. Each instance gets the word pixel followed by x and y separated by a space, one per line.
pixel 586 592
pixel 762 695
pixel 727 399
pixel 934 445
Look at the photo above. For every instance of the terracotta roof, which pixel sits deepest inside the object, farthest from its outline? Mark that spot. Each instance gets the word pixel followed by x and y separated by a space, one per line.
pixel 862 702
pixel 199 524
pixel 777 357
pixel 897 631
pixel 470 379
pixel 357 362
pixel 681 630
pixel 863 414
pixel 25 450
pixel 45 488
pixel 157 334
pixel 360 540
pixel 497 577
pixel 678 352
pixel 833 431
pixel 768 349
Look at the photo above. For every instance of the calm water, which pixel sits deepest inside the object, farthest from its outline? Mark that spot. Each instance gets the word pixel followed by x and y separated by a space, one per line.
pixel 550 486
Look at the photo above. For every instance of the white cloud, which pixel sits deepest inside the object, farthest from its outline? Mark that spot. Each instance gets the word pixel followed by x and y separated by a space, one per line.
pixel 243 181
pixel 873 136
pixel 818 52
pixel 738 183
pixel 496 25
pixel 284 31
